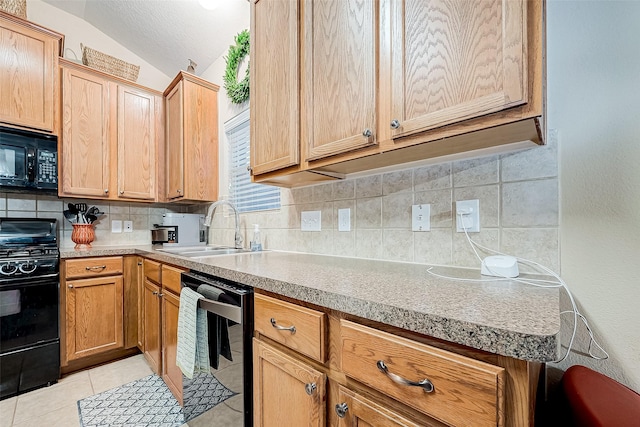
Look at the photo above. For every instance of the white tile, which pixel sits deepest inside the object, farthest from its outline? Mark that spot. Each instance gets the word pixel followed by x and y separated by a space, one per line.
pixel 478 171
pixel 117 373
pixel 432 177
pixel 530 203
pixel 65 416
pixel 7 408
pixel 369 186
pixel 43 401
pixel 21 202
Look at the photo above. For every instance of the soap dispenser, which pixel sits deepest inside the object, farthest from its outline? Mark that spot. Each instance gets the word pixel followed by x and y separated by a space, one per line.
pixel 256 244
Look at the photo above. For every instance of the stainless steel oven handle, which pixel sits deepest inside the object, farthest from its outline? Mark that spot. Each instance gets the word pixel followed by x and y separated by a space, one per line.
pixel 228 311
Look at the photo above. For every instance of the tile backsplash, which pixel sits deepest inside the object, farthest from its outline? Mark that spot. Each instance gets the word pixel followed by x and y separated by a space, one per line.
pixel 41 206
pixel 518 194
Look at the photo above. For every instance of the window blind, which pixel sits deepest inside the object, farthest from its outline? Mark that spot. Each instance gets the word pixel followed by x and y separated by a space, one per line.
pixel 245 195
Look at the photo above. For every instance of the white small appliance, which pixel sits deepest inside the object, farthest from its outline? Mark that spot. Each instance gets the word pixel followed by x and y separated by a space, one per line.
pixel 179 229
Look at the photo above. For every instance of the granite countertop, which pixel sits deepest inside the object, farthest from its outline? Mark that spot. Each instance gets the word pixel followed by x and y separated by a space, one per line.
pixel 498 316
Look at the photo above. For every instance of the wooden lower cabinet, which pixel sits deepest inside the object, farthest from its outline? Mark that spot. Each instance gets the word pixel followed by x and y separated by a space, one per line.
pixel 377 375
pixel 171 374
pixel 286 391
pixel 94 316
pixel 152 349
pixel 354 410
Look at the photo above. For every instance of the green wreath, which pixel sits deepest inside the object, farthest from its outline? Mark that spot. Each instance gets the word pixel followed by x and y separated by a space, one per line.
pixel 238 91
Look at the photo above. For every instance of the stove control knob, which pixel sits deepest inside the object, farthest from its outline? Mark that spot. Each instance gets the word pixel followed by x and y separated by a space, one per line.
pixel 28 267
pixel 8 269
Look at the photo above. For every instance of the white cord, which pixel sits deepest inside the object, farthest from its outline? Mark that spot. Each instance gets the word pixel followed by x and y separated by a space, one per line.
pixel 560 283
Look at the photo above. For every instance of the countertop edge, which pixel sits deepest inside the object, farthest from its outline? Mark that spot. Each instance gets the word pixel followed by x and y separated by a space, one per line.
pixel 534 348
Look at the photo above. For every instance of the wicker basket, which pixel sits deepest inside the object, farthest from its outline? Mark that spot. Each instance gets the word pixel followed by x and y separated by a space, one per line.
pixel 14 7
pixel 109 64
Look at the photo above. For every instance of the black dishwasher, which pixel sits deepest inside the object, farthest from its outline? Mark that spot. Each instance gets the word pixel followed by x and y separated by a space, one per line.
pixel 229 307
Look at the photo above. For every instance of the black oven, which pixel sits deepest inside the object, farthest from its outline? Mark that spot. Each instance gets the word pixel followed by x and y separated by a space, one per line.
pixel 28 161
pixel 29 301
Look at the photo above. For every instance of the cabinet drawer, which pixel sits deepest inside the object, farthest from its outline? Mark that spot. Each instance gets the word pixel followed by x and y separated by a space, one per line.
pixel 152 271
pixel 92 267
pixel 272 316
pixel 465 391
pixel 171 278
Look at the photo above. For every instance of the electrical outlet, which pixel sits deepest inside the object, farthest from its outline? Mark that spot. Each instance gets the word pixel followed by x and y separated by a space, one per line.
pixel 421 217
pixel 116 226
pixel 470 210
pixel 344 219
pixel 311 221
pixel 128 226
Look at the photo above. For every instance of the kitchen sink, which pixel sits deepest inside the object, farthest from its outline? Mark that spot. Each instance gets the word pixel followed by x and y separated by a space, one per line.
pixel 203 251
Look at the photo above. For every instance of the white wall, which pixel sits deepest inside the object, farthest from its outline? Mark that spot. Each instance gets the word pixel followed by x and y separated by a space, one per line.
pixel 593 93
pixel 78 31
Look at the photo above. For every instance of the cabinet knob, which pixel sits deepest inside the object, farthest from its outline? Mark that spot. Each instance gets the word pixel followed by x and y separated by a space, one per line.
pixel 154 293
pixel 367 133
pixel 106 191
pixel 249 168
pixel 121 191
pixel 160 295
pixel 291 328
pixel 310 388
pixel 70 286
pixel 341 409
pixel 139 263
pixel 424 384
pixel 179 191
pixel 395 124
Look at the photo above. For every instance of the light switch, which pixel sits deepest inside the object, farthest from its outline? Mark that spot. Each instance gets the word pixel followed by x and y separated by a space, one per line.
pixel 344 219
pixel 311 221
pixel 116 226
pixel 421 217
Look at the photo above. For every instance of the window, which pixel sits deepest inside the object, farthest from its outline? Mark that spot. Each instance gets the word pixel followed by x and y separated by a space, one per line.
pixel 245 195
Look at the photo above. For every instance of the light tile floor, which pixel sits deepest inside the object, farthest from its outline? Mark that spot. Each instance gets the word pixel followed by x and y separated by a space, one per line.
pixel 57 406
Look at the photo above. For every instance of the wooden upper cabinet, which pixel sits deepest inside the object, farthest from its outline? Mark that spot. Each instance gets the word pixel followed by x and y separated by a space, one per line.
pixel 191 128
pixel 455 60
pixel 85 161
pixel 29 69
pixel 137 127
pixel 339 76
pixel 111 131
pixel 275 85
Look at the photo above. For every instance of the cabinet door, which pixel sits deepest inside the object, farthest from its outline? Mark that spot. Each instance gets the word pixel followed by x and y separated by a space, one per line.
pixel 171 374
pixel 137 127
pixel 85 158
pixel 339 76
pixel 94 316
pixel 286 392
pixel 275 85
pixel 200 123
pixel 152 350
pixel 28 61
pixel 454 60
pixel 140 304
pixel 354 410
pixel 174 143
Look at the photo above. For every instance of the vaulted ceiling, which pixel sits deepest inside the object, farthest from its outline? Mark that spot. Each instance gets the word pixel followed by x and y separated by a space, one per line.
pixel 165 33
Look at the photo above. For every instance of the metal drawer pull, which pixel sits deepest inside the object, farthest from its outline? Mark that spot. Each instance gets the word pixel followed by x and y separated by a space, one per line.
pixel 425 384
pixel 310 388
pixel 341 409
pixel 291 329
pixel 96 267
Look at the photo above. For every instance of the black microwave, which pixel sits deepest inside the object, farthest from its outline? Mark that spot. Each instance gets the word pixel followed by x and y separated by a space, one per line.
pixel 28 161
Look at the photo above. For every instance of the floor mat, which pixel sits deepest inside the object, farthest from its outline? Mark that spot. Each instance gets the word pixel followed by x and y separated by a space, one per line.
pixel 146 402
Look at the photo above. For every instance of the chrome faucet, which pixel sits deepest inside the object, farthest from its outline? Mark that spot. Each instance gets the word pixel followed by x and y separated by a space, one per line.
pixel 207 220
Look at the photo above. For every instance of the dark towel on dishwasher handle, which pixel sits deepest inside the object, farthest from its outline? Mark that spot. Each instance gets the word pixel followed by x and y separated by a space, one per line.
pixel 218 326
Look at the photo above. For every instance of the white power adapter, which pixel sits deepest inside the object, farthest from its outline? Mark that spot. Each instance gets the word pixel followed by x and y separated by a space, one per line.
pixel 500 266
